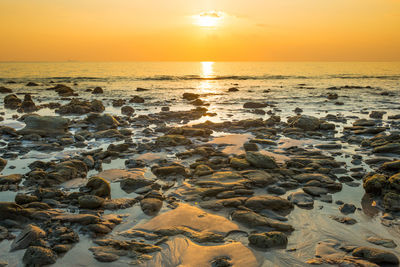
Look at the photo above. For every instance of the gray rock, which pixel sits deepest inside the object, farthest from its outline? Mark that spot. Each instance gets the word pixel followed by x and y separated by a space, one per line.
pixel 260 160
pixel 347 208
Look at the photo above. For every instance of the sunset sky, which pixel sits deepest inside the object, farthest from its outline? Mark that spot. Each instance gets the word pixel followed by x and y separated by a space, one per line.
pixel 188 30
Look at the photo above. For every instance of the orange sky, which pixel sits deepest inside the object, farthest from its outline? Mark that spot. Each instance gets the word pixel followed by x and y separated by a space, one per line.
pixel 158 30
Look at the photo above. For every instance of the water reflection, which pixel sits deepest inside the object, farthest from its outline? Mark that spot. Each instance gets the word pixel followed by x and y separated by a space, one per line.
pixel 207 71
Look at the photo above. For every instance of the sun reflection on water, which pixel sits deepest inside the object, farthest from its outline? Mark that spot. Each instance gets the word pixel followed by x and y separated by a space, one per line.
pixel 207 72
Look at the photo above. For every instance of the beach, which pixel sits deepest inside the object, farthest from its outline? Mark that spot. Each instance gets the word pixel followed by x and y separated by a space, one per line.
pixel 200 164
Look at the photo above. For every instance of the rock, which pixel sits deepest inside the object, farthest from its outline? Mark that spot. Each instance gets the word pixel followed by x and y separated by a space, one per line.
pixel 202 170
pixel 28 105
pixel 127 110
pixel 83 219
pixel 97 90
pixel 174 170
pixel 81 107
pixel 315 190
pixel 111 133
pixel 172 140
pixel 151 206
pixel 252 219
pixel 90 201
pixel 344 220
pixel 238 163
pixel 102 122
pixel 22 199
pixel 105 257
pixel 268 240
pixel 4 90
pixel 260 160
pixel 3 164
pixel 28 236
pixel 332 96
pixel 233 89
pixel 39 256
pixel 301 199
pixel 136 99
pixel 394 182
pixel 10 179
pixel 45 126
pixel 12 102
pixel 190 96
pixel 388 148
pixel 375 255
pixel 63 90
pixel 13 211
pixel 118 203
pixel 307 123
pixel 347 208
pixel 99 187
pixel 391 165
pixel 377 114
pixel 261 202
pixel 131 184
pixel 250 146
pixel 32 84
pixel 254 105
pixel 391 201
pixel 387 243
pixel 374 184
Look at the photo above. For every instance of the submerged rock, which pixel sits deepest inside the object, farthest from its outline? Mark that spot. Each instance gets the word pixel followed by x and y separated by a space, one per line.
pixel 90 202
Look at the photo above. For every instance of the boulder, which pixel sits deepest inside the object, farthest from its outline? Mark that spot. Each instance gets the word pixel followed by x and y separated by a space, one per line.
pixel 307 123
pixel 28 105
pixel 90 201
pixel 102 122
pixel 127 110
pixel 39 256
pixel 28 236
pixel 45 126
pixel 5 90
pixel 12 102
pixel 99 187
pixel 97 90
pixel 151 206
pixel 374 184
pixel 260 160
pixel 63 90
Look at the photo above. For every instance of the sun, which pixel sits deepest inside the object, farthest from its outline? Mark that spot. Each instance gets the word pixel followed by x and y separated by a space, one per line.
pixel 208 19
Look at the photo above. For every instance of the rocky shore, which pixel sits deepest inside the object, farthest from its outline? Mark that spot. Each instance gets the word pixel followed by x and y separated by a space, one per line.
pixel 87 179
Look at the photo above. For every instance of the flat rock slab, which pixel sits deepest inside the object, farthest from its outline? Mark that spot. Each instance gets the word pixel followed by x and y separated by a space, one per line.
pixel 113 175
pixel 181 251
pixel 191 217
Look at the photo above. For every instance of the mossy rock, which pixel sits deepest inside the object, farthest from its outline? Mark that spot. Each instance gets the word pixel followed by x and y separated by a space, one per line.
pixel 375 184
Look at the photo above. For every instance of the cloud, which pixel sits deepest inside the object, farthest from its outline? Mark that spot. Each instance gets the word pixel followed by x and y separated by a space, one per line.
pixel 212 14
